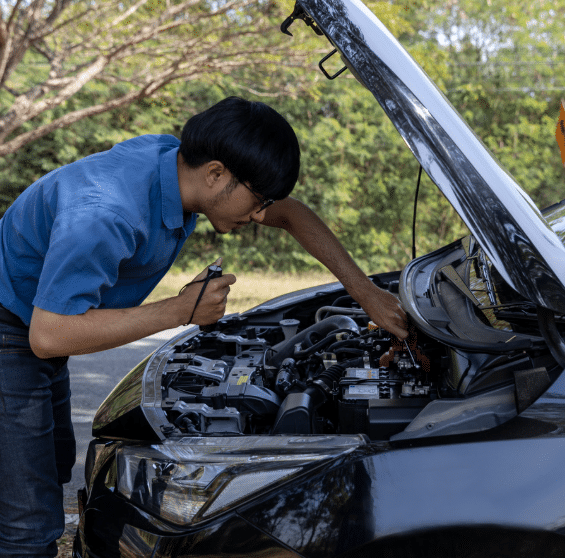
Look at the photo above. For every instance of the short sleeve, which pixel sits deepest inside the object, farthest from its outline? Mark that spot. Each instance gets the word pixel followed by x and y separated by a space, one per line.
pixel 86 247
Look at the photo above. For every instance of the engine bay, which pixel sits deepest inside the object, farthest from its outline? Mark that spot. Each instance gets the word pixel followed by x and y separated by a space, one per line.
pixel 330 371
pixel 313 363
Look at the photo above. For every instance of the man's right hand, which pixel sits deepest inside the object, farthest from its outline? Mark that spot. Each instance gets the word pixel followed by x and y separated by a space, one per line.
pixel 212 305
pixel 99 329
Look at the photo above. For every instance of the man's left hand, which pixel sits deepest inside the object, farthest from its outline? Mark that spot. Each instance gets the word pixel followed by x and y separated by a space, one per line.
pixel 316 238
pixel 384 310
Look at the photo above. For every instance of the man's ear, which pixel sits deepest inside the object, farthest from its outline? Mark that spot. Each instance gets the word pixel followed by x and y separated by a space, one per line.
pixel 214 172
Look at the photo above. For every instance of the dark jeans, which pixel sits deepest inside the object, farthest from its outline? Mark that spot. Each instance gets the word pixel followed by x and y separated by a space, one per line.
pixel 37 444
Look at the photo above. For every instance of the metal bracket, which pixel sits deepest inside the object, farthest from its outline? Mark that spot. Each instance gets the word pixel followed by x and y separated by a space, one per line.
pixel 339 72
pixel 299 13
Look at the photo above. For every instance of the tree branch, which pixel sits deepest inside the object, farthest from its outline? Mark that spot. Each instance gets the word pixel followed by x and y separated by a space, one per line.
pixel 7 39
pixel 75 116
pixel 123 42
pixel 24 108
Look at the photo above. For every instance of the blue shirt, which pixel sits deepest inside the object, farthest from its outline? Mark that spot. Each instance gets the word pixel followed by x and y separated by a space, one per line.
pixel 98 233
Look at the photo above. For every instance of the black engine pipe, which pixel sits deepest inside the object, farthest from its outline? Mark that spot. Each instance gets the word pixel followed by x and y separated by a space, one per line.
pixel 330 338
pixel 286 348
pixel 296 414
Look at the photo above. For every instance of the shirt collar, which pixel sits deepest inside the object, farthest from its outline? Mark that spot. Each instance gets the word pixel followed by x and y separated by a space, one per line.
pixel 173 217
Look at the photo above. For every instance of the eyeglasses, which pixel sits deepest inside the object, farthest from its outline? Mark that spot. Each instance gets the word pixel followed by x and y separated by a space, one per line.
pixel 263 201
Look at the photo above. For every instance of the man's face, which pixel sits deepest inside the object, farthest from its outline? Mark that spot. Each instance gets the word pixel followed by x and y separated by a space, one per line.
pixel 233 208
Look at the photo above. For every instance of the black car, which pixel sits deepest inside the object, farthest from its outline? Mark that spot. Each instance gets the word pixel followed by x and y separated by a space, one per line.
pixel 299 429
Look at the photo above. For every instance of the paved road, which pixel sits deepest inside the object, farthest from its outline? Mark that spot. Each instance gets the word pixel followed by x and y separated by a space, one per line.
pixel 92 379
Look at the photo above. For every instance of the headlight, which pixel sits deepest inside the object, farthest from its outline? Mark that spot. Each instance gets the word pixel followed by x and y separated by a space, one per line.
pixel 194 479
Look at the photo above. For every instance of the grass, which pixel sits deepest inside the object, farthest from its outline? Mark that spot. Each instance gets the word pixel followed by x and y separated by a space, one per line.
pixel 249 290
pixel 65 546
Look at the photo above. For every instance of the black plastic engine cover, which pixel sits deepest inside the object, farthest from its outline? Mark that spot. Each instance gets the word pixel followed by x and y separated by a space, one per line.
pixel 378 418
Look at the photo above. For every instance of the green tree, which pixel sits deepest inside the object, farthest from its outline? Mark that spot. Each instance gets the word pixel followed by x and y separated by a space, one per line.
pixel 128 50
pixel 356 171
pixel 506 78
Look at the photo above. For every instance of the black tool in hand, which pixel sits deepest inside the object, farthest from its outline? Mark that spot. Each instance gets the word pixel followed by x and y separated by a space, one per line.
pixel 214 271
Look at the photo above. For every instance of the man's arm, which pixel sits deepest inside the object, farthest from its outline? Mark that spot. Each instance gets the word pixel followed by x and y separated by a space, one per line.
pixel 96 330
pixel 317 239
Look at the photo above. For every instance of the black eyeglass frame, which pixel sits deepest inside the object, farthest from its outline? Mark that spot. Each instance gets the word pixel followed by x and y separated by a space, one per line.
pixel 264 202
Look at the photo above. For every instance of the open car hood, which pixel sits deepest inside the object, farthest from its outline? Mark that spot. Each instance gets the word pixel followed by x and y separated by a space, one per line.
pixel 500 215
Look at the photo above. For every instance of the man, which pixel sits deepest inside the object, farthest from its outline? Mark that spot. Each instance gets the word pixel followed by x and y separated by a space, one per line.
pixel 84 245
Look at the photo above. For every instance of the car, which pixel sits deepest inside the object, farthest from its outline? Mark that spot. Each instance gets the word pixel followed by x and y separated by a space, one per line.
pixel 301 429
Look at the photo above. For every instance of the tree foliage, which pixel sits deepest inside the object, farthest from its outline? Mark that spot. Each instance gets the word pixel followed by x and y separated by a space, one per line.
pixel 506 79
pixel 356 171
pixel 126 50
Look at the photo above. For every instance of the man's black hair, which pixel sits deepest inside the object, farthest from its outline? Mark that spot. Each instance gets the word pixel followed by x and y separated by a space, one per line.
pixel 253 141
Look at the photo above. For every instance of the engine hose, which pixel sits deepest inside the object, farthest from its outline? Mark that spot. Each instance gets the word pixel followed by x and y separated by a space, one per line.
pixel 351 351
pixel 297 413
pixel 319 345
pixel 313 334
pixel 330 338
pixel 323 384
pixel 341 299
pixel 337 304
pixel 345 343
pixel 335 332
pixel 338 310
pixel 332 374
pixel 311 338
pixel 286 348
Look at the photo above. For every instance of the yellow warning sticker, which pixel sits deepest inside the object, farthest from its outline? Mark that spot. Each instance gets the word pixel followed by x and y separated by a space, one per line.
pixel 242 380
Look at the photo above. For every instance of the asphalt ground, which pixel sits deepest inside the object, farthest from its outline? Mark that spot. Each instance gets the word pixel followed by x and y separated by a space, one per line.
pixel 92 378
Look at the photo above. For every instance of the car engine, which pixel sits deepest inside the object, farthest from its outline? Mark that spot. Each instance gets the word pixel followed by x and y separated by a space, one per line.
pixel 341 374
